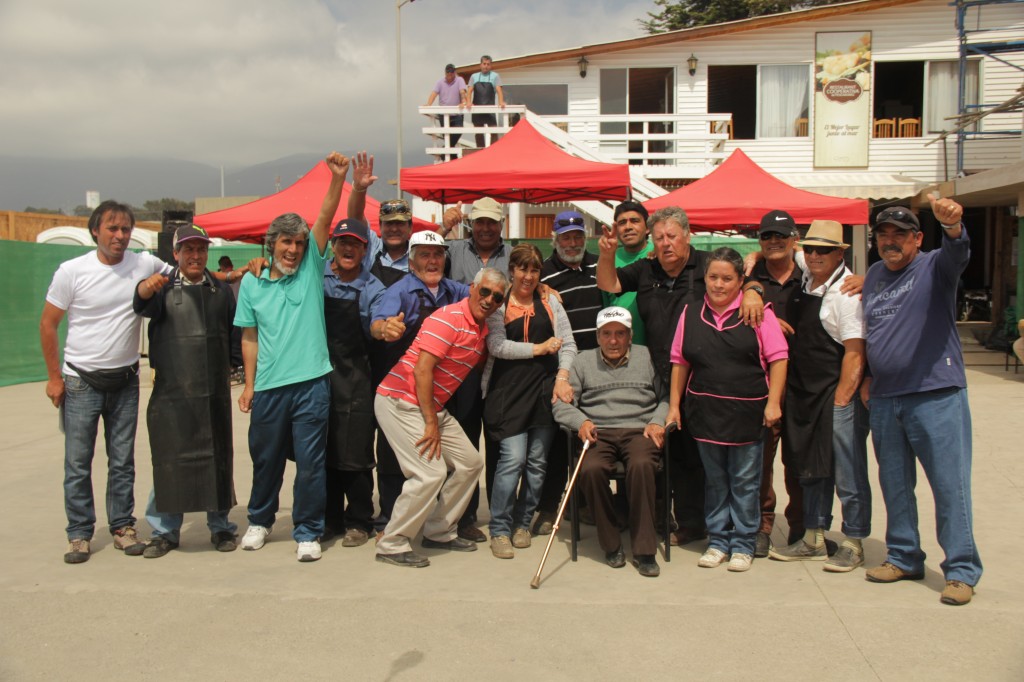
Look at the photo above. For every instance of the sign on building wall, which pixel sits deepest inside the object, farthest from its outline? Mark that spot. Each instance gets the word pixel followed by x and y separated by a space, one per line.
pixel 842 99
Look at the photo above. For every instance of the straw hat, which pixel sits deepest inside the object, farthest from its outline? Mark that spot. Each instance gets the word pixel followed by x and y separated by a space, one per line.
pixel 824 233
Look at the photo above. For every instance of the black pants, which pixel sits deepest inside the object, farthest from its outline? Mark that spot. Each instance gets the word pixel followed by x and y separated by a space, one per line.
pixel 687 480
pixel 357 486
pixel 484 120
pixel 467 407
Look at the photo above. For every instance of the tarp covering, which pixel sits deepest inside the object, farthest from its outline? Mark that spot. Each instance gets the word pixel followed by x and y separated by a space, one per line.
pixel 249 222
pixel 521 166
pixel 739 192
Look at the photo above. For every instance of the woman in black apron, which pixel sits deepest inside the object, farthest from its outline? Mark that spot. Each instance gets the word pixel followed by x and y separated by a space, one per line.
pixel 532 349
pixel 733 377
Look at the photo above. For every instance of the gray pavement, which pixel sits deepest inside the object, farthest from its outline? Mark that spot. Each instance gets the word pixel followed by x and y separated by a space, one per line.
pixel 200 615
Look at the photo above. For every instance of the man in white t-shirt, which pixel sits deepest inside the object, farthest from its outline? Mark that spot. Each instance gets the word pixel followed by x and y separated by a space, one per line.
pixel 99 376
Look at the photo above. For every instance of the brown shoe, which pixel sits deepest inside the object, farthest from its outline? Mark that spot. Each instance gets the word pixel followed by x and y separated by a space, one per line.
pixel 78 551
pixel 889 573
pixel 685 536
pixel 354 537
pixel 521 538
pixel 128 541
pixel 473 534
pixel 956 593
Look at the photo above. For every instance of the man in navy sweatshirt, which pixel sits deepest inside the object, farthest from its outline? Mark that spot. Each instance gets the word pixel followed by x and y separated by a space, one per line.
pixel 918 395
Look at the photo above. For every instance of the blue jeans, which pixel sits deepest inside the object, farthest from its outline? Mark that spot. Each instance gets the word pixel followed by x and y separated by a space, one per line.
pixel 732 499
pixel 525 456
pixel 290 421
pixel 850 476
pixel 935 427
pixel 83 407
pixel 169 525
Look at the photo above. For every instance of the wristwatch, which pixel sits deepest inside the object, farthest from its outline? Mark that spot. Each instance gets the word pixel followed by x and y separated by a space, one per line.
pixel 758 288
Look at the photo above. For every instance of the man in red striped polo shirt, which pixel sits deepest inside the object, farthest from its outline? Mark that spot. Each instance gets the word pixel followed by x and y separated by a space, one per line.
pixel 427 440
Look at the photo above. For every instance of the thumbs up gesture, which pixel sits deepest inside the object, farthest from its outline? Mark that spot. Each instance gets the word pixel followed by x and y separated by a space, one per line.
pixel 946 211
pixel 394 327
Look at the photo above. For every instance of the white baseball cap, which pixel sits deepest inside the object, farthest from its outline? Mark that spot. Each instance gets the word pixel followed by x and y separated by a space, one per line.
pixel 427 238
pixel 615 314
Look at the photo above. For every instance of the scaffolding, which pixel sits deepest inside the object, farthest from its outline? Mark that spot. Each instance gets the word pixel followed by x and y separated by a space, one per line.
pixel 972 42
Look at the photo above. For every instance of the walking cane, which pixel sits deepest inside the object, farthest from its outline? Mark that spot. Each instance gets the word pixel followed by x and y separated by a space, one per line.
pixel 535 583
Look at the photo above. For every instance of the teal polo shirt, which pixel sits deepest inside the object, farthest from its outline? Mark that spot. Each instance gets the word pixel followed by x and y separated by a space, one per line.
pixel 288 314
pixel 627 299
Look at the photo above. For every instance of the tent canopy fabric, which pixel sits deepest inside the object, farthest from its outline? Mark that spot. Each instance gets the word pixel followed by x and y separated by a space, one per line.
pixel 521 166
pixel 739 192
pixel 249 222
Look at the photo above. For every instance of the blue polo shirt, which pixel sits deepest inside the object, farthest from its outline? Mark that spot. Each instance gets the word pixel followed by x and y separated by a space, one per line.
pixel 367 288
pixel 288 314
pixel 405 295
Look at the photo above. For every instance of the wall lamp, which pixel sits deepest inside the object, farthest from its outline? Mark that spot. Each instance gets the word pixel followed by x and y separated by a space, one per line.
pixel 583 66
pixel 691 64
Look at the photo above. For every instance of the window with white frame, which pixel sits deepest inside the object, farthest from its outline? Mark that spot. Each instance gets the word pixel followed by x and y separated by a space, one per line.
pixel 770 100
pixel 923 91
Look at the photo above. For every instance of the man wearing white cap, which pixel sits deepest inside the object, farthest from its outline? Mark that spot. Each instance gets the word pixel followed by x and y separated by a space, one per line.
pixel 615 386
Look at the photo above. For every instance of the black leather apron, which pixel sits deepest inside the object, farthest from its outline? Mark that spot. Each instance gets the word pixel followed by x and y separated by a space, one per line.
pixel 385 273
pixel 350 424
pixel 189 413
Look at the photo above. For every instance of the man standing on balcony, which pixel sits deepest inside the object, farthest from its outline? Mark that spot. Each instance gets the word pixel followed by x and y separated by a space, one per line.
pixel 450 91
pixel 485 90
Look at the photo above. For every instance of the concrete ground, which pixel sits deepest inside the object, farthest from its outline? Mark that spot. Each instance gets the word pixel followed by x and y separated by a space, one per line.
pixel 200 615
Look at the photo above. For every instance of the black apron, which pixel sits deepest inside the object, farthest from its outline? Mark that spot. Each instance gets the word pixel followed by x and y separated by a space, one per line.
pixel 815 365
pixel 385 273
pixel 727 391
pixel 660 306
pixel 384 356
pixel 189 413
pixel 484 93
pixel 519 395
pixel 350 423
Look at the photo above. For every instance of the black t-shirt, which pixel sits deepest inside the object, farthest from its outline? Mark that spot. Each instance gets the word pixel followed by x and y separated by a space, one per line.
pixel 580 296
pixel 775 292
pixel 660 299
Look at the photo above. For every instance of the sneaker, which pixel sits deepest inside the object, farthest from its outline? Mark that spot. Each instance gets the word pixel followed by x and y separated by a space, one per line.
pixel 501 547
pixel 456 544
pixel 308 551
pixel 78 551
pixel 615 558
pixel 406 559
pixel 956 593
pixel 521 538
pixel 128 541
pixel 255 537
pixel 844 561
pixel 799 551
pixel 473 534
pixel 740 562
pixel 712 558
pixel 647 566
pixel 355 537
pixel 223 541
pixel 158 546
pixel 544 524
pixel 762 544
pixel 890 573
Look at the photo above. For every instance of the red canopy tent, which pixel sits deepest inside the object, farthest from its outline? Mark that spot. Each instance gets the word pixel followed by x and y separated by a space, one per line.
pixel 739 192
pixel 249 222
pixel 521 166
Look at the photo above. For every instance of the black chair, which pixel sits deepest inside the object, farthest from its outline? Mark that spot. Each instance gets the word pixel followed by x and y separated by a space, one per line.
pixel 619 476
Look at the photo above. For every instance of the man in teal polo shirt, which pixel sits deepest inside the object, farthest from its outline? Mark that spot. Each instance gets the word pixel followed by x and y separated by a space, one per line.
pixel 631 221
pixel 284 351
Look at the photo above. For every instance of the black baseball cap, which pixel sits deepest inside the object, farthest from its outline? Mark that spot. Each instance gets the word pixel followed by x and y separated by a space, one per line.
pixel 350 227
pixel 898 216
pixel 777 222
pixel 449 68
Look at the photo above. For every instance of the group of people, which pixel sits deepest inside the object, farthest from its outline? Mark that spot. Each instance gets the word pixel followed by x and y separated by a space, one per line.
pixel 484 89
pixel 649 349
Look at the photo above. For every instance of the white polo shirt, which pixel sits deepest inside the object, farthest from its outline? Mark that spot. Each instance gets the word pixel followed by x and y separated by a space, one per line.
pixel 842 316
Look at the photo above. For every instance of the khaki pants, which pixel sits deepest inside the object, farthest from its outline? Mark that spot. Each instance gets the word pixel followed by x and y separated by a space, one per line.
pixel 436 492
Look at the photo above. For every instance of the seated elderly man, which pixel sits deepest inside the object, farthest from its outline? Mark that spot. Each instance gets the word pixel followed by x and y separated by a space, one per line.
pixel 615 386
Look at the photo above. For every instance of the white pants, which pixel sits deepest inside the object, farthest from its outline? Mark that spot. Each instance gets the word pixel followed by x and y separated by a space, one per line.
pixel 431 499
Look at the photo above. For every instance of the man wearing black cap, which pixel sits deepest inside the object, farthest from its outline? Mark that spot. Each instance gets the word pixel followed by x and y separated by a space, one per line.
pixel 918 395
pixel 351 293
pixel 189 414
pixel 450 91
pixel 631 222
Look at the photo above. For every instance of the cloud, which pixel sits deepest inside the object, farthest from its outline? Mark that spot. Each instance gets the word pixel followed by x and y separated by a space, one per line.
pixel 242 82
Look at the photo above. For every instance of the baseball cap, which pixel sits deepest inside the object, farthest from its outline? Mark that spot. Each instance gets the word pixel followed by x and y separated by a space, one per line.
pixel 186 233
pixel 778 222
pixel 486 208
pixel 899 216
pixel 426 238
pixel 449 68
pixel 394 210
pixel 351 227
pixel 615 314
pixel 566 221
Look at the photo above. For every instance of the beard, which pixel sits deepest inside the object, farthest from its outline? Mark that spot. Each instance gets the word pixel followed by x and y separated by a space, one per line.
pixel 569 259
pixel 285 269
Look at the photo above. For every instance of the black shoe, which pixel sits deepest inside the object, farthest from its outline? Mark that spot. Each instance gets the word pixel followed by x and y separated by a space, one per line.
pixel 615 558
pixel 455 545
pixel 157 547
pixel 647 566
pixel 407 559
pixel 473 534
pixel 831 547
pixel 224 541
pixel 762 543
pixel 328 533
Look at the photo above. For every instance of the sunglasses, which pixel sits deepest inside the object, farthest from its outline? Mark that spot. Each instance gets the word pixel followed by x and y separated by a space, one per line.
pixel 819 250
pixel 900 214
pixel 392 207
pixel 566 222
pixel 498 296
pixel 773 235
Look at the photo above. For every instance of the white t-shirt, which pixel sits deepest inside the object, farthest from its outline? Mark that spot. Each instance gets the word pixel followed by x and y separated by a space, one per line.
pixel 842 316
pixel 103 330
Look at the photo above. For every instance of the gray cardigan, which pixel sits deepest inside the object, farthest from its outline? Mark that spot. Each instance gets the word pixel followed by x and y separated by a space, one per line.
pixel 629 396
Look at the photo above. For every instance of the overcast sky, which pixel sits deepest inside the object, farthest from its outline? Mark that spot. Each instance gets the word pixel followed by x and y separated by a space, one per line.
pixel 239 82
